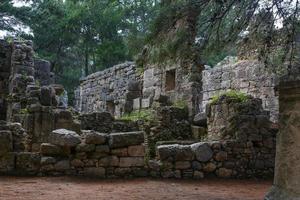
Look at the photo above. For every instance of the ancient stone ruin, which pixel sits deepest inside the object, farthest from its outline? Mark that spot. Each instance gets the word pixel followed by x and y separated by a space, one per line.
pixel 183 130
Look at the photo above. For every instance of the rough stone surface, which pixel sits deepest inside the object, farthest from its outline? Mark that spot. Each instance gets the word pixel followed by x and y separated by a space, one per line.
pixel 202 151
pixel 200 119
pixel 63 137
pixel 6 143
pixel 117 140
pixel 111 90
pixel 95 172
pixel 112 161
pixel 131 162
pixel 248 76
pixel 97 121
pixel 137 150
pixel 93 137
pixel 50 149
pixel 224 173
pixel 287 174
pixel 62 165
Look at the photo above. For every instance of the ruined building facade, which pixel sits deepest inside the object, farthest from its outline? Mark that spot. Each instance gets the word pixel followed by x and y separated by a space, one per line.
pixel 122 88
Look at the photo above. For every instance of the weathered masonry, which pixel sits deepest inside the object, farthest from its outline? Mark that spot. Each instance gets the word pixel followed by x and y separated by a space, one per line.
pixel 110 90
pixel 247 76
pixel 121 89
pixel 5 54
pixel 41 136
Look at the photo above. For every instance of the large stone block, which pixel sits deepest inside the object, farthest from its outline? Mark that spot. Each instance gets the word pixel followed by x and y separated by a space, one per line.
pixel 6 142
pixel 27 163
pixel 200 119
pixel 93 137
pixel 202 151
pixel 137 150
pixel 63 137
pixel 85 147
pixel 131 161
pixel 136 104
pixel 62 165
pixel 182 165
pixel 48 160
pixel 47 94
pixel 117 140
pixel 184 152
pixel 166 152
pixel 94 172
pixel 146 103
pixel 50 149
pixel 224 173
pixel 109 161
pixel 7 163
pixel 121 152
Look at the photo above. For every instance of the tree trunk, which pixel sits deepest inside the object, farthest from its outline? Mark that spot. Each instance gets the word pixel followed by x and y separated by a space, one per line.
pixel 86 67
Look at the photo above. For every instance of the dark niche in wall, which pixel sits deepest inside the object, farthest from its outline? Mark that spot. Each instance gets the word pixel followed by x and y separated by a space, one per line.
pixel 170 80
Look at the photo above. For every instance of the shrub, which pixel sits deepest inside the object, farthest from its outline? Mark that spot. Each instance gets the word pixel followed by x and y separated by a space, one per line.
pixel 145 115
pixel 180 104
pixel 232 94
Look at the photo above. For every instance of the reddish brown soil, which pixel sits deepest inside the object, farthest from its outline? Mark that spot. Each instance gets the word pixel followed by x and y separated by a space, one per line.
pixel 66 188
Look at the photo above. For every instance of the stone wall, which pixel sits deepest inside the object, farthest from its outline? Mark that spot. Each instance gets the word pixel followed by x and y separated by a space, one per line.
pixel 110 90
pixel 247 76
pixel 231 118
pixel 123 155
pixel 93 154
pixel 240 144
pixel 224 159
pixel 27 97
pixel 184 85
pixel 5 55
pixel 104 122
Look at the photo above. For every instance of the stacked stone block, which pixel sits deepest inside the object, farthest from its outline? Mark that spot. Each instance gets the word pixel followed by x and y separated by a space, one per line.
pixel 187 85
pixel 224 159
pixel 5 55
pixel 231 118
pixel 93 154
pixel 247 76
pixel 104 122
pixel 115 87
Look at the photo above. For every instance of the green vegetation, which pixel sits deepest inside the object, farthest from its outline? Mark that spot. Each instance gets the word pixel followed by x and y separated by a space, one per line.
pixel 180 104
pixel 233 94
pixel 24 111
pixel 146 115
pixel 80 37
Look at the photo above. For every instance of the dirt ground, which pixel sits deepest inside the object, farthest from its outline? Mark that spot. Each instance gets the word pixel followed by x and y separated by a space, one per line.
pixel 69 188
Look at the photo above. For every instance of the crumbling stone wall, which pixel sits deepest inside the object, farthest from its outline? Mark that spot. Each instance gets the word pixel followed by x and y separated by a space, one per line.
pixel 22 75
pixel 231 118
pixel 93 154
pixel 110 90
pixel 247 76
pixel 103 122
pixel 187 86
pixel 5 55
pixel 240 146
pixel 28 98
